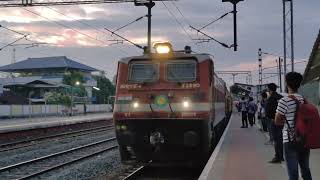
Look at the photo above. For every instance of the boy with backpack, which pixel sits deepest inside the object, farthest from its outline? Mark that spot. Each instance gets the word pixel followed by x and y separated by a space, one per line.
pixel 301 128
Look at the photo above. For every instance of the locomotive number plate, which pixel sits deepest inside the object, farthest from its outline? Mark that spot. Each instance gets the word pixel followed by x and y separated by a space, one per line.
pixel 130 86
pixel 190 85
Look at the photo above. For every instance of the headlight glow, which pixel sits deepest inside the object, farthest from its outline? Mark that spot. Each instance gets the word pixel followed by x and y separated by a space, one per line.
pixel 162 49
pixel 135 105
pixel 124 127
pixel 186 104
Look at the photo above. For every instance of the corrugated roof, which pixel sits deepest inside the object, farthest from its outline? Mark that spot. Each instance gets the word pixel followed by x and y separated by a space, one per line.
pixel 46 63
pixel 310 72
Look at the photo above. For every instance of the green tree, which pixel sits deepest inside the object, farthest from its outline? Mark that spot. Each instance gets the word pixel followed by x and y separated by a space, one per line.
pixel 71 79
pixel 106 89
pixel 58 98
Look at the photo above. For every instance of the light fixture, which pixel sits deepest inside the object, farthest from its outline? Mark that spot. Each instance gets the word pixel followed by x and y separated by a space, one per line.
pixel 96 88
pixel 163 48
pixel 135 105
pixel 77 83
pixel 186 104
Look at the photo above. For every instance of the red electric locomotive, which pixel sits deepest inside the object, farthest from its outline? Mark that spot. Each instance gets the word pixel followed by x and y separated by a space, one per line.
pixel 169 107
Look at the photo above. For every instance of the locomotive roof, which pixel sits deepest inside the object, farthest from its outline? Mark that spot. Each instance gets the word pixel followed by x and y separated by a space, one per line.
pixel 199 57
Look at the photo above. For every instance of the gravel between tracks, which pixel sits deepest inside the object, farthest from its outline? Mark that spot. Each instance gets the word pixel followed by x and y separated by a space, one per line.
pixel 98 166
pixel 38 150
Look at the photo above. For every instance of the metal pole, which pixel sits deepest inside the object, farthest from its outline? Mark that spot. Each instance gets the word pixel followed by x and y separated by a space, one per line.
pixel 260 69
pixel 284 39
pixel 280 74
pixel 71 100
pixel 235 26
pixel 233 75
pixel 292 39
pixel 149 6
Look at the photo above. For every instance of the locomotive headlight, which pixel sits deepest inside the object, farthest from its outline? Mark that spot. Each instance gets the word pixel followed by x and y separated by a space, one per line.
pixel 163 48
pixel 186 103
pixel 135 105
pixel 124 127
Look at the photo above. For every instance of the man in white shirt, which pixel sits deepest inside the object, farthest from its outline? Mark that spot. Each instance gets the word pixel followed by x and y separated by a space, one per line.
pixel 285 115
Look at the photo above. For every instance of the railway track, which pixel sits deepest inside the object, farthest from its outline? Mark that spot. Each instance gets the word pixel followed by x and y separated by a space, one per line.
pixel 41 165
pixel 132 173
pixel 34 141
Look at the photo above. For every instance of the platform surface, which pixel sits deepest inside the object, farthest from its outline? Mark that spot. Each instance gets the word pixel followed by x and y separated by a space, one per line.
pixel 9 125
pixel 242 155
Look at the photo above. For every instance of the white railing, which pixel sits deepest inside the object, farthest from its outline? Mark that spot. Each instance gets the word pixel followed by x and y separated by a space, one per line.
pixel 50 110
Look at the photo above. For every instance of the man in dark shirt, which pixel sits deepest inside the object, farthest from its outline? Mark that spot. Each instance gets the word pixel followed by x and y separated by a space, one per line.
pixel 276 131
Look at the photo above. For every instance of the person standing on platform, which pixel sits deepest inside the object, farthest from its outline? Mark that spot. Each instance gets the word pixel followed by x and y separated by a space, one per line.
pixel 244 112
pixel 252 108
pixel 285 115
pixel 262 112
pixel 276 131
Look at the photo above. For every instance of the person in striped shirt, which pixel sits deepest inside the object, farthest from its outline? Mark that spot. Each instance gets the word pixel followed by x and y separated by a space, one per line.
pixel 285 115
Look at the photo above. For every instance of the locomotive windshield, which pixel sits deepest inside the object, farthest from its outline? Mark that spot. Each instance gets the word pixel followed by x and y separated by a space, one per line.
pixel 143 72
pixel 181 71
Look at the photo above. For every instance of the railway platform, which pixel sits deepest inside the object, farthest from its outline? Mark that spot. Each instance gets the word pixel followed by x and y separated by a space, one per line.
pixel 21 124
pixel 242 155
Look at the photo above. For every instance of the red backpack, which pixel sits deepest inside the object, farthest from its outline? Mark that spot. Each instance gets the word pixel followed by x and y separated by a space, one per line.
pixel 307 124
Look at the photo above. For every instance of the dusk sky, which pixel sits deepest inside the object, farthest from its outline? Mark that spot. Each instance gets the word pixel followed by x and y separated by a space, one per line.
pixel 77 31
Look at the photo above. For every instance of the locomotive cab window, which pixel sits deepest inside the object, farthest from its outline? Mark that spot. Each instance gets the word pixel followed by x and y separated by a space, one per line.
pixel 182 71
pixel 143 72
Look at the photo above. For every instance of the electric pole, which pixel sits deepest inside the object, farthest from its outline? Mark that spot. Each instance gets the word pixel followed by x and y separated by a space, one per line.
pixel 260 69
pixel 288 19
pixel 234 2
pixel 280 73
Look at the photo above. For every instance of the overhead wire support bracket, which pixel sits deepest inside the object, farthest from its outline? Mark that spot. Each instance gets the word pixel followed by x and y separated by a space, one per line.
pixel 211 38
pixel 136 20
pixel 125 39
pixel 224 15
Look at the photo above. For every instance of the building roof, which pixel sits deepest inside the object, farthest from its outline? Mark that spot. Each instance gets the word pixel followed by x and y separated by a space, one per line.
pixel 46 63
pixel 312 71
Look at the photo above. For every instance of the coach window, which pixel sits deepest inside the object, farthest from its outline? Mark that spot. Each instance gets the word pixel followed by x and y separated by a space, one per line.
pixel 181 71
pixel 143 72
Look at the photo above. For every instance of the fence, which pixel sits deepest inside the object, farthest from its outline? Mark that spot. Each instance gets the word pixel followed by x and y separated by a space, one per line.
pixel 49 110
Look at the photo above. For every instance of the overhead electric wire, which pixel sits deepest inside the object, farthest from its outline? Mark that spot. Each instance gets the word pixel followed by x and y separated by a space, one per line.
pixel 176 19
pixel 138 19
pixel 11 30
pixel 13 42
pixel 221 43
pixel 125 39
pixel 69 27
pixel 66 26
pixel 83 23
pixel 215 20
pixel 86 24
pixel 178 9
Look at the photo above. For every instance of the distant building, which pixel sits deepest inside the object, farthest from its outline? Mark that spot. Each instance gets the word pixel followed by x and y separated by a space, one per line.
pixel 40 75
pixel 245 90
pixel 311 77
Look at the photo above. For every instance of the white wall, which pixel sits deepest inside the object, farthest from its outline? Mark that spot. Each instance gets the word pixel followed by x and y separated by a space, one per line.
pixel 43 110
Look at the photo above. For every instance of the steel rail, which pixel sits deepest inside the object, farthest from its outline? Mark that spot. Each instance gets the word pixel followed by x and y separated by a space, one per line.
pixel 68 163
pixel 17 165
pixel 73 134
pixel 134 173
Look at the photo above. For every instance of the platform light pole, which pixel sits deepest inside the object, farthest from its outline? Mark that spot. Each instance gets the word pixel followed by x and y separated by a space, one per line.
pixel 234 2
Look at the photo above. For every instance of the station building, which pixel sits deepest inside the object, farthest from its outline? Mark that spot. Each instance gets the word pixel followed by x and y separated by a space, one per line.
pixel 36 76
